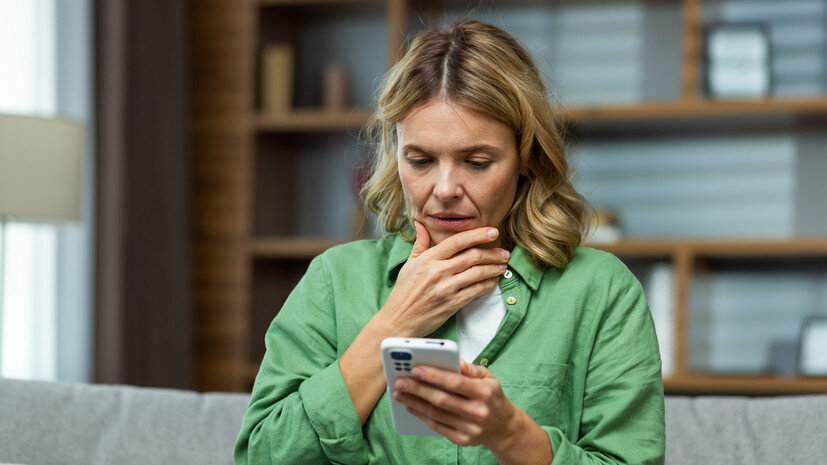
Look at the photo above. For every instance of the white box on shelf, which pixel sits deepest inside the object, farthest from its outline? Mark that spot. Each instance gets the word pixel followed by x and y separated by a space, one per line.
pixel 660 294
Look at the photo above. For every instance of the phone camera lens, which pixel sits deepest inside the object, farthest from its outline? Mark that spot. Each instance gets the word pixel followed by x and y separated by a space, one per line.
pixel 400 355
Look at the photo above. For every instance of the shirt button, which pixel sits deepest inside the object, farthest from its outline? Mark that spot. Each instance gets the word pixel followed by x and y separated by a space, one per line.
pixel 511 300
pixel 484 362
pixel 507 274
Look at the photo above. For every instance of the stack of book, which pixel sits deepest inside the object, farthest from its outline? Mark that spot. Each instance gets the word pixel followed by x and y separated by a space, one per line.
pixel 277 65
pixel 660 293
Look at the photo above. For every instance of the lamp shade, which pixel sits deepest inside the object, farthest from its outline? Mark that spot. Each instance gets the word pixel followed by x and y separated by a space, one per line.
pixel 40 168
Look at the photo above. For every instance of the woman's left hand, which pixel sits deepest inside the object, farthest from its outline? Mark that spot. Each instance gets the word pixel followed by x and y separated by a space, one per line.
pixel 468 408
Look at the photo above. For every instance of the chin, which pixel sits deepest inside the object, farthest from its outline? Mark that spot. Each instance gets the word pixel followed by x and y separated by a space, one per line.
pixel 436 238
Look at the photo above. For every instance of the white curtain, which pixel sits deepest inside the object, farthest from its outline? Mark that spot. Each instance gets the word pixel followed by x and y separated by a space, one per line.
pixel 41 259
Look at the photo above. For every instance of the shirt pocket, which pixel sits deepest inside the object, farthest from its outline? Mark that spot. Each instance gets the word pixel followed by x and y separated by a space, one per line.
pixel 539 389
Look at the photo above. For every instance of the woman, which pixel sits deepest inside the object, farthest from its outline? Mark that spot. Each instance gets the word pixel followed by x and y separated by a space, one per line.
pixel 471 182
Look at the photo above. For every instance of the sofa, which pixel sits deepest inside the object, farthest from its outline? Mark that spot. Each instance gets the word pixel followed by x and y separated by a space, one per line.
pixel 43 423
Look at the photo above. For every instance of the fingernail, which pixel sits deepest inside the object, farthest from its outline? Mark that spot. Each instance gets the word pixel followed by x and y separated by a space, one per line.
pixel 505 254
pixel 503 267
pixel 417 372
pixel 493 233
pixel 402 384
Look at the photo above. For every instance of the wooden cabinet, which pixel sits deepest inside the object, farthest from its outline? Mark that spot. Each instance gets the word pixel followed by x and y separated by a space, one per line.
pixel 257 228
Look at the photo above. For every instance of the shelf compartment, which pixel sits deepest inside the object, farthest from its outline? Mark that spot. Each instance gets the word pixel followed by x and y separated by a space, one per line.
pixel 302 182
pixel 747 308
pixel 320 33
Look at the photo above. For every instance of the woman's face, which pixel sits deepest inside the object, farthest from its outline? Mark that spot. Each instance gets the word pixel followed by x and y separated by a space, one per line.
pixel 459 169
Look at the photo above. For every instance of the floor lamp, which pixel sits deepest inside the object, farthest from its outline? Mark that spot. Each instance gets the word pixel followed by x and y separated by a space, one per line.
pixel 40 175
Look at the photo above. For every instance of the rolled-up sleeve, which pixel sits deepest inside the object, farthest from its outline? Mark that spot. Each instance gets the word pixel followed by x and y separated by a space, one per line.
pixel 622 418
pixel 300 410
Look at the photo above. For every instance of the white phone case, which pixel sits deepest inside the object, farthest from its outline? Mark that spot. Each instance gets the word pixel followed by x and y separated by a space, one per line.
pixel 399 356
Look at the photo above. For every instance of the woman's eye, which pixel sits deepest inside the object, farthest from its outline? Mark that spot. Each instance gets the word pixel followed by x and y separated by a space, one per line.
pixel 479 164
pixel 418 162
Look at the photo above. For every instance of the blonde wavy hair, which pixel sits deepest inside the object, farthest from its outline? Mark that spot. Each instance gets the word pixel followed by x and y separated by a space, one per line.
pixel 484 69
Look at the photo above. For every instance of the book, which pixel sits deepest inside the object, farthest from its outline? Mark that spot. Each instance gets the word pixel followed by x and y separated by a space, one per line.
pixel 277 64
pixel 660 294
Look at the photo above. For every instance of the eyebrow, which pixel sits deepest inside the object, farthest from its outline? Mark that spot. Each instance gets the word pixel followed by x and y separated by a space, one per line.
pixel 474 148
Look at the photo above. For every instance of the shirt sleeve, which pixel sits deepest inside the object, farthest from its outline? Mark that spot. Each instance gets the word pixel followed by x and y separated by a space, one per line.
pixel 300 410
pixel 623 411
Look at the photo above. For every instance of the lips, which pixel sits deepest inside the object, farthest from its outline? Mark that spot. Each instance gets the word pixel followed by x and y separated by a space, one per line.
pixel 450 216
pixel 451 222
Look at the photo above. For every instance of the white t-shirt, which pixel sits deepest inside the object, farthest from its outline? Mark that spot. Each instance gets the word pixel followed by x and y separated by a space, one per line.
pixel 477 322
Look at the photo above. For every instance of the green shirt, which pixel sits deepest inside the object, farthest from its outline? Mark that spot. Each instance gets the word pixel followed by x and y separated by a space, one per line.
pixel 576 351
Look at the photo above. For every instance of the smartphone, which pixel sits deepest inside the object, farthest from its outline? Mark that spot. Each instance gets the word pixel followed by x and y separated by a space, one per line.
pixel 399 356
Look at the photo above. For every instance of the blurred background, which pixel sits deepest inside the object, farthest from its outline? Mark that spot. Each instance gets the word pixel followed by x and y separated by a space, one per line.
pixel 213 149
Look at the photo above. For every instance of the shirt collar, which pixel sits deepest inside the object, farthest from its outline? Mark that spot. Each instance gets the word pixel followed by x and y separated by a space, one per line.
pixel 521 262
pixel 524 265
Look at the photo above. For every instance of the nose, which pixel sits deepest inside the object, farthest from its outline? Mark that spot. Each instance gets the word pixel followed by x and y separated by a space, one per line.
pixel 448 186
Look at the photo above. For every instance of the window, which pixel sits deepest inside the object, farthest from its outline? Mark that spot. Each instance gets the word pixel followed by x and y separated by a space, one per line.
pixel 45 332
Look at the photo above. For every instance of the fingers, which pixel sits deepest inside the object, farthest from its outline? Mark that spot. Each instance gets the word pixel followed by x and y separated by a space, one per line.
pixel 477 256
pixel 477 371
pixel 474 290
pixel 447 382
pixel 468 369
pixel 430 400
pixel 451 430
pixel 464 409
pixel 423 240
pixel 463 240
pixel 479 273
pixel 441 405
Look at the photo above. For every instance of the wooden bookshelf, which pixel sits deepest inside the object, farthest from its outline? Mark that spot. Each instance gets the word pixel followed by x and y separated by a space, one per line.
pixel 677 112
pixel 681 110
pixel 695 384
pixel 312 120
pixel 687 257
pixel 234 260
pixel 717 248
pixel 291 247
pixel 309 2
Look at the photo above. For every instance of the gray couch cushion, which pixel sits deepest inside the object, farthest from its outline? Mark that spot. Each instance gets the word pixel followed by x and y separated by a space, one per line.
pixel 738 430
pixel 58 423
pixel 49 423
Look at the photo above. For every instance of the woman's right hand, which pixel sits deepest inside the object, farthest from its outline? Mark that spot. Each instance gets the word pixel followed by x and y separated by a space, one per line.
pixel 437 281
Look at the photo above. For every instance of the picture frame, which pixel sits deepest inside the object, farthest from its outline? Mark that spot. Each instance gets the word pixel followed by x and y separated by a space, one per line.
pixel 737 58
pixel 812 348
